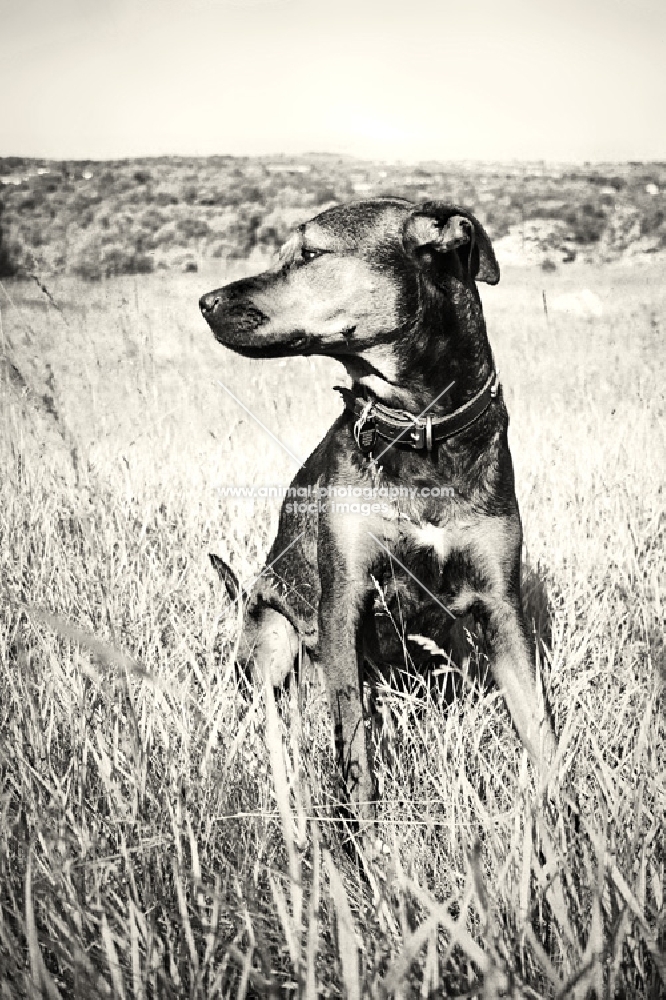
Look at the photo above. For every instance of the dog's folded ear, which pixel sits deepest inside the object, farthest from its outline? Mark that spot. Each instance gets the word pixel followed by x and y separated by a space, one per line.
pixel 443 228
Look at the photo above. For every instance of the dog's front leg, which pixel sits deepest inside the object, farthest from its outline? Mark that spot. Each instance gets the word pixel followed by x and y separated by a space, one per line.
pixel 344 585
pixel 511 664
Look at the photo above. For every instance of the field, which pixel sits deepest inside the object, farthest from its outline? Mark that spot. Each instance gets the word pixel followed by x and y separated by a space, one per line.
pixel 164 831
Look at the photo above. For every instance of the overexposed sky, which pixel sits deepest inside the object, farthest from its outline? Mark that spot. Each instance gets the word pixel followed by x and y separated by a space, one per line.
pixel 414 79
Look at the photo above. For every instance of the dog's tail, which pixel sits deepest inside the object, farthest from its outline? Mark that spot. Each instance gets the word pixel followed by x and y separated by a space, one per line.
pixel 228 577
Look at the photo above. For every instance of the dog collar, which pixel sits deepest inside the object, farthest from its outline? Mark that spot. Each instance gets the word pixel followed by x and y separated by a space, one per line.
pixel 375 419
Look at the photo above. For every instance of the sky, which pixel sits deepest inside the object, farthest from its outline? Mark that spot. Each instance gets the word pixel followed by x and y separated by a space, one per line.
pixel 564 80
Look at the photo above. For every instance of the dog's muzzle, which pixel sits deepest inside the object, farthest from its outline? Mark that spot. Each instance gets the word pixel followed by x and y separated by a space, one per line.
pixel 231 322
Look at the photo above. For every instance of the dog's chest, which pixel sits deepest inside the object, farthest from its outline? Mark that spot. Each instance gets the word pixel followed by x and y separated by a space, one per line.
pixel 462 553
pixel 440 540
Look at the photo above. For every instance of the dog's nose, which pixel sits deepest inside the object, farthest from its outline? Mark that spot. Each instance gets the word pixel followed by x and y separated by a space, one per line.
pixel 209 302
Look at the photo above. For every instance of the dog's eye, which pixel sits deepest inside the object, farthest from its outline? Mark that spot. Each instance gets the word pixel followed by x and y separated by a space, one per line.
pixel 308 254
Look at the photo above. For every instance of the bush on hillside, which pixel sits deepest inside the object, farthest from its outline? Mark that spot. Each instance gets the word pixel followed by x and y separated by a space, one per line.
pixel 8 263
pixel 587 222
pixel 94 259
pixel 118 259
pixel 652 221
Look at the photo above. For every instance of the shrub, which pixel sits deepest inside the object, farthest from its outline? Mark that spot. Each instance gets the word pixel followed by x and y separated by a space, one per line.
pixel 192 228
pixel 152 219
pixel 165 235
pixel 83 200
pixel 8 263
pixel 184 262
pixel 220 249
pixel 653 220
pixel 587 222
pixel 36 235
pixel 92 259
pixel 210 197
pixel 322 195
pixel 497 223
pixel 165 198
pixel 86 266
pixel 117 259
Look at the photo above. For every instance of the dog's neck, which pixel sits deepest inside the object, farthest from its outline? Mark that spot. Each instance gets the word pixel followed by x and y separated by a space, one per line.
pixel 447 349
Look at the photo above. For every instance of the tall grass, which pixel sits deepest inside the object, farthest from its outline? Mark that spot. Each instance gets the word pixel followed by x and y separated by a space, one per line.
pixel 167 830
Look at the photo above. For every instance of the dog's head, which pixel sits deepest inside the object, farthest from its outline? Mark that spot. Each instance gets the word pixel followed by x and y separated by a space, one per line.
pixel 353 280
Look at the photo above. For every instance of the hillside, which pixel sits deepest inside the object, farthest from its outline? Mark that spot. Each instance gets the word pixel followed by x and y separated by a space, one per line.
pixel 99 219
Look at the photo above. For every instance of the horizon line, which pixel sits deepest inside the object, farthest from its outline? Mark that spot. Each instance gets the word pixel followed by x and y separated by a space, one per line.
pixel 331 154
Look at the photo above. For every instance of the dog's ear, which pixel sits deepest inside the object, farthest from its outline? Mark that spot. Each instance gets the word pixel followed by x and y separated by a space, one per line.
pixel 444 228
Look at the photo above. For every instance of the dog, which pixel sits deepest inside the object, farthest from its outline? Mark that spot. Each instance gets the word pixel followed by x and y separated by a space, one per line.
pixel 388 288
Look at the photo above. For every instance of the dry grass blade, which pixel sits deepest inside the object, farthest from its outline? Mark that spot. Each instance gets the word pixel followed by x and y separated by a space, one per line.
pixel 184 915
pixel 112 959
pixel 39 973
pixel 478 878
pixel 347 942
pixel 313 920
pixel 543 959
pixel 31 929
pixel 194 850
pixel 246 959
pixel 134 946
pixel 430 984
pixel 245 974
pixel 595 945
pixel 526 871
pixel 553 887
pixel 291 930
pixel 212 928
pixel 281 785
pixel 237 742
pixel 657 880
pixel 299 791
pixel 617 948
pixel 650 940
pixel 627 894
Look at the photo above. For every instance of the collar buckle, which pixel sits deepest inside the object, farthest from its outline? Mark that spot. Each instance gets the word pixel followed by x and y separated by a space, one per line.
pixel 365 429
pixel 417 435
pixel 421 435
